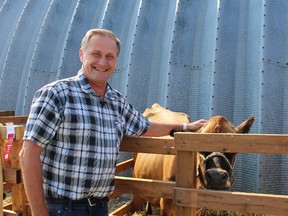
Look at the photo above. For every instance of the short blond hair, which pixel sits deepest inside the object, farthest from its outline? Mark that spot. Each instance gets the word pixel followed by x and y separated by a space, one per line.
pixel 103 32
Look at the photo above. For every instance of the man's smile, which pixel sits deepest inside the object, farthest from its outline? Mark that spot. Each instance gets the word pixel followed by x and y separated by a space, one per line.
pixel 99 69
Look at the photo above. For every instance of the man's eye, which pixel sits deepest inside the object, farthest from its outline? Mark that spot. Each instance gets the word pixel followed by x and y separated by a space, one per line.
pixel 96 54
pixel 111 57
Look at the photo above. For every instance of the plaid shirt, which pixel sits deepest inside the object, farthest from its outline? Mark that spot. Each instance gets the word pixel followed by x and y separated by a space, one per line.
pixel 80 136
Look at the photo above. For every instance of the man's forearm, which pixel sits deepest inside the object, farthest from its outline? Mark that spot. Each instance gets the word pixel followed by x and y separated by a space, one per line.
pixel 32 176
pixel 158 129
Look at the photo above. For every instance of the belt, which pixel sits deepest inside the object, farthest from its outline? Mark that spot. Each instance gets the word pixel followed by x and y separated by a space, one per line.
pixel 92 201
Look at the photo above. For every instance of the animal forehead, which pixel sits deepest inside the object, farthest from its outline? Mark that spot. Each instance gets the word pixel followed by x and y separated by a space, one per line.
pixel 207 156
pixel 216 159
pixel 218 124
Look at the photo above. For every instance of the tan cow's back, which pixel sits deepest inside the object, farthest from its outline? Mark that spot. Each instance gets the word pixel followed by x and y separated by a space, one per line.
pixel 159 114
pixel 155 166
pixel 158 167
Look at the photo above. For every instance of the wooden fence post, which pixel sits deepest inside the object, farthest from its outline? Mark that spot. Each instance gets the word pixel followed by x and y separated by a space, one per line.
pixel 185 176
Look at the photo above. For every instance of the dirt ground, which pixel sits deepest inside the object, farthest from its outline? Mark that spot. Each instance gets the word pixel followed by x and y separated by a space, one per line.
pixel 118 202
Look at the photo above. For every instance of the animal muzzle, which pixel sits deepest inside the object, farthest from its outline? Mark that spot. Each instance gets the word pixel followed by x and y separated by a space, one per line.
pixel 217 179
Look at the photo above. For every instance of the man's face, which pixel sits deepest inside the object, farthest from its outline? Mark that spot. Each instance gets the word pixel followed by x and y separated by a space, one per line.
pixel 99 59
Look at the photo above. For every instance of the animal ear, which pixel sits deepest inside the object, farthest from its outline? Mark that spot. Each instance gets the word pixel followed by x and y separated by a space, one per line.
pixel 245 126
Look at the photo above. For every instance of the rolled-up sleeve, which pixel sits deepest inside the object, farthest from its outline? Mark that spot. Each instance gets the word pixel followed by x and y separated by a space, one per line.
pixel 44 117
pixel 136 123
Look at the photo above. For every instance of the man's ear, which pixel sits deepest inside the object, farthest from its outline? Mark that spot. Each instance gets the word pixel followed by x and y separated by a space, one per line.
pixel 81 54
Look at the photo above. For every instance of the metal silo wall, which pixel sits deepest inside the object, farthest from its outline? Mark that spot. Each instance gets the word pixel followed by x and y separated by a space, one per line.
pixel 202 57
pixel 235 84
pixel 274 62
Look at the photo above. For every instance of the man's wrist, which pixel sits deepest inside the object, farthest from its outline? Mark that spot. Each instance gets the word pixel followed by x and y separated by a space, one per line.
pixel 184 126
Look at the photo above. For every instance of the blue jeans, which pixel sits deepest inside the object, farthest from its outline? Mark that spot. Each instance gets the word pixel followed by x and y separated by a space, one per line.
pixel 72 209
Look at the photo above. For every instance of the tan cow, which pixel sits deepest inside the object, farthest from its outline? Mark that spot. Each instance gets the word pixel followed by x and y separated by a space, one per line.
pixel 216 170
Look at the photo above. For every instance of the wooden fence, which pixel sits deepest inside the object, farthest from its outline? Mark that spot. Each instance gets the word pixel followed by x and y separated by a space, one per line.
pixel 10 178
pixel 186 197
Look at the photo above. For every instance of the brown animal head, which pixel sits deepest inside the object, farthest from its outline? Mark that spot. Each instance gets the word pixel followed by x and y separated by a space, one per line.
pixel 215 168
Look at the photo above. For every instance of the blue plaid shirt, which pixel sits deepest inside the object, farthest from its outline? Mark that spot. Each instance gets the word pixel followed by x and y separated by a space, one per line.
pixel 80 136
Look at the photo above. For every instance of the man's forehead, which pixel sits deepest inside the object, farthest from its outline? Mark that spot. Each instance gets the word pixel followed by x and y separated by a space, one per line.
pixel 100 42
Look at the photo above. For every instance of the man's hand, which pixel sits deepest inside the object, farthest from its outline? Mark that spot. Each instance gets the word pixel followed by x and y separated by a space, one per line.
pixel 193 126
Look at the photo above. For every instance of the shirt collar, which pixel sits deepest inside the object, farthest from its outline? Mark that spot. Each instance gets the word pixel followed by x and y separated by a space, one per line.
pixel 110 93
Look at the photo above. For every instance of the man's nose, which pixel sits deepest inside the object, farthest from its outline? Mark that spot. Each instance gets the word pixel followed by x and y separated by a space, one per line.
pixel 103 61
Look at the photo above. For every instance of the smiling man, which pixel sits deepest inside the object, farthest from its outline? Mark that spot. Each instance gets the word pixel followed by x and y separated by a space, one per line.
pixel 73 134
pixel 99 57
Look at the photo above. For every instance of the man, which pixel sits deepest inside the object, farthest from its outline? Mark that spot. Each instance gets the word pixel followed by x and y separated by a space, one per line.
pixel 73 134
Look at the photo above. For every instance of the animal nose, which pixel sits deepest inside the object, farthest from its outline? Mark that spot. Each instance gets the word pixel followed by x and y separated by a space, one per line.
pixel 216 178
